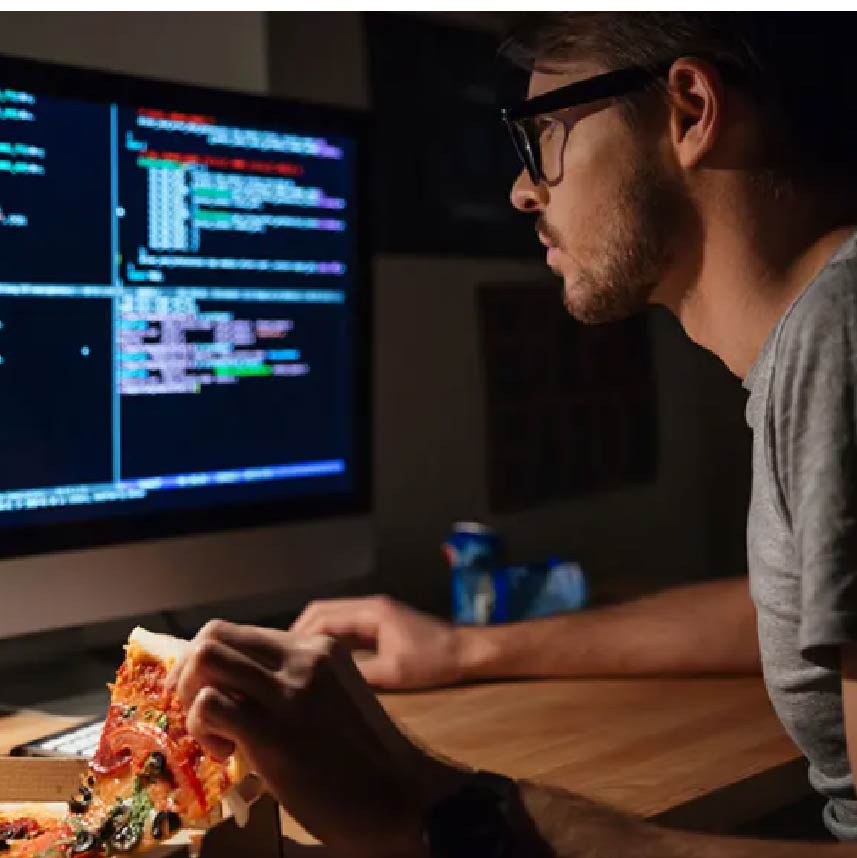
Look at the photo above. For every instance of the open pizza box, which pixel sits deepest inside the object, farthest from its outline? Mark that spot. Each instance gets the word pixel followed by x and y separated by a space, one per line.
pixel 40 779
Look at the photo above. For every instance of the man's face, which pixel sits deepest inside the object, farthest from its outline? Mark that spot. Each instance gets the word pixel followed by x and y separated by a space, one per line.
pixel 610 221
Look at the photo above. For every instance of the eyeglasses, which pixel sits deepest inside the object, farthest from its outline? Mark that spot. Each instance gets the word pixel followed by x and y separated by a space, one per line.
pixel 539 137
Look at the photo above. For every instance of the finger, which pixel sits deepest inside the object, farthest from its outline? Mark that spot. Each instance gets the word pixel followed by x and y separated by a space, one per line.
pixel 216 664
pixel 217 722
pixel 343 618
pixel 308 614
pixel 220 750
pixel 261 645
pixel 175 671
pixel 315 611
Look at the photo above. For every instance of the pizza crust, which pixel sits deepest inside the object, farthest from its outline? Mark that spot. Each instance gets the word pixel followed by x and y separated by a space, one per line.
pixel 165 648
pixel 168 650
pixel 35 809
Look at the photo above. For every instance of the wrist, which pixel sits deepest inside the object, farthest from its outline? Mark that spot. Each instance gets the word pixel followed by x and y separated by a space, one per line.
pixel 433 780
pixel 484 817
pixel 437 778
pixel 478 652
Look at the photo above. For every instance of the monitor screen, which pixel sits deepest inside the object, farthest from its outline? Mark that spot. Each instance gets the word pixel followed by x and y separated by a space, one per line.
pixel 182 299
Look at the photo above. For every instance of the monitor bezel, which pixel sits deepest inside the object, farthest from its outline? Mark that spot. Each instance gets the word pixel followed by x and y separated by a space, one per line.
pixel 86 84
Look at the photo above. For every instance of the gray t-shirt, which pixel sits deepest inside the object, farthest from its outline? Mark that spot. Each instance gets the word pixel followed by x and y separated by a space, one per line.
pixel 802 527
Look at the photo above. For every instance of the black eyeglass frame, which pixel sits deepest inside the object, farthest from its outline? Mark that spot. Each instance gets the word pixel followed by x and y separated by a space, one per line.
pixel 608 85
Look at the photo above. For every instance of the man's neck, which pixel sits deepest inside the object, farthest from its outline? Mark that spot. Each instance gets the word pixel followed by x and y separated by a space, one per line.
pixel 750 270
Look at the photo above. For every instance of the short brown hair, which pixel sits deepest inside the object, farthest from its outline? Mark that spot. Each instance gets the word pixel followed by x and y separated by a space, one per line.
pixel 798 67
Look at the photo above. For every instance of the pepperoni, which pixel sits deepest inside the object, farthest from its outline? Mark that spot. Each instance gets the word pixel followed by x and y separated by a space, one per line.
pixel 44 841
pixel 134 741
pixel 108 759
pixel 18 829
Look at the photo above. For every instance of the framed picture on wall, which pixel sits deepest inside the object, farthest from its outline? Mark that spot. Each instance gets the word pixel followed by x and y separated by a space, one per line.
pixel 443 161
pixel 570 409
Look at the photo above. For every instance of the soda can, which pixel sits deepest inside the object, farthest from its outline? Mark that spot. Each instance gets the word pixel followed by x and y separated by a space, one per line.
pixel 473 551
pixel 472 545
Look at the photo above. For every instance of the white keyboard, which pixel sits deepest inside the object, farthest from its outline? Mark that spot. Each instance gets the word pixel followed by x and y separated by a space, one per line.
pixel 80 741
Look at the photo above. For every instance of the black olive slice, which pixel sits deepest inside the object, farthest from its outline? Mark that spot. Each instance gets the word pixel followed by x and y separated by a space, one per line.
pixel 85 841
pixel 155 764
pixel 79 802
pixel 165 823
pixel 116 819
pixel 126 838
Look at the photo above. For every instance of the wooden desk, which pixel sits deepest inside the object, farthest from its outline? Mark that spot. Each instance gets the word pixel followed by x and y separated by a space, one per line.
pixel 706 754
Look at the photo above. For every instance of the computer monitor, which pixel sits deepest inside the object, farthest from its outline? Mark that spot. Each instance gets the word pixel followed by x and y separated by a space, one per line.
pixel 184 346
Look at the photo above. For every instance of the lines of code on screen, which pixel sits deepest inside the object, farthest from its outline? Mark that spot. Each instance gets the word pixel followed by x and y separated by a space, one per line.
pixel 54 190
pixel 176 309
pixel 208 202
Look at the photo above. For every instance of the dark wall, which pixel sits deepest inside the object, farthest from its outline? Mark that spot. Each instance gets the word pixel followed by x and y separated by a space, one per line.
pixel 430 456
pixel 225 49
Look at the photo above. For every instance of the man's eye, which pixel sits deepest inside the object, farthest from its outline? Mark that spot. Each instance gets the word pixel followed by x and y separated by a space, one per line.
pixel 546 128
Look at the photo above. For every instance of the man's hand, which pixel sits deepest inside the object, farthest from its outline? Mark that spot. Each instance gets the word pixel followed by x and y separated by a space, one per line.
pixel 311 728
pixel 677 632
pixel 410 649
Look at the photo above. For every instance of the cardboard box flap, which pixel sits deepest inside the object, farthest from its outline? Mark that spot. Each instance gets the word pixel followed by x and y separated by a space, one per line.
pixel 39 778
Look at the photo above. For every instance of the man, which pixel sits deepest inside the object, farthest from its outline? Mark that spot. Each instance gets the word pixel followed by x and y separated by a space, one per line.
pixel 701 161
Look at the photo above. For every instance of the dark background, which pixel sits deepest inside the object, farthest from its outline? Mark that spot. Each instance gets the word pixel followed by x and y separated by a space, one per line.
pixel 680 517
pixel 56 425
pixel 431 418
pixel 70 202
pixel 436 91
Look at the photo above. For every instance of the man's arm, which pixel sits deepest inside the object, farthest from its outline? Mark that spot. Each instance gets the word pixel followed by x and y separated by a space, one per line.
pixel 848 661
pixel 570 826
pixel 311 728
pixel 698 629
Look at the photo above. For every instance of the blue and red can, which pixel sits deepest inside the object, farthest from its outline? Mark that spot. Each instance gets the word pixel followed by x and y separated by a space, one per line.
pixel 485 591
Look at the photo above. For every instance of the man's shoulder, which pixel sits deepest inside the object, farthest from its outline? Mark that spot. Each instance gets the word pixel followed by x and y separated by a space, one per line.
pixel 824 316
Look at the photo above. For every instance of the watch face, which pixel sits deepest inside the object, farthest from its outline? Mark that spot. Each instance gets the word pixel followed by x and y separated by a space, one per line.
pixel 473 822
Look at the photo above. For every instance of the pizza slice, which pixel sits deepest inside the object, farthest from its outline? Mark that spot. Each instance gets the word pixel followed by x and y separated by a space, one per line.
pixel 32 829
pixel 149 779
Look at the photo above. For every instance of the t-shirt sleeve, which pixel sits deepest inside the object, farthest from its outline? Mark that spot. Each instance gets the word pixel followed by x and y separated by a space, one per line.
pixel 815 424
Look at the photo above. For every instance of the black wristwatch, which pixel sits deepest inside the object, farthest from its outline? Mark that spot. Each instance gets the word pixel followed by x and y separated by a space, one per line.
pixel 481 819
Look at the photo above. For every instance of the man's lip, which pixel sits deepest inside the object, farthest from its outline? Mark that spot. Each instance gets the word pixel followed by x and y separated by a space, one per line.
pixel 548 244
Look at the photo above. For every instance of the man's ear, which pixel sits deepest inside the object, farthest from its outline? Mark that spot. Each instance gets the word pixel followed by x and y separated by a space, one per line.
pixel 696 97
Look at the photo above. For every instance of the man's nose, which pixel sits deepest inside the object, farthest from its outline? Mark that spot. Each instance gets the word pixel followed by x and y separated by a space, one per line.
pixel 527 197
